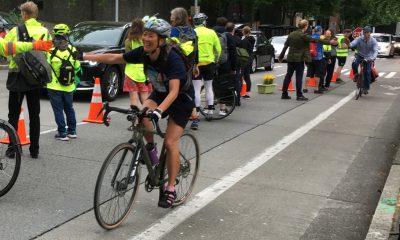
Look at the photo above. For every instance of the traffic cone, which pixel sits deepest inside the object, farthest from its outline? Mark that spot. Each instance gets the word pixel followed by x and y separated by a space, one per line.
pixel 24 140
pixel 351 74
pixel 334 77
pixel 311 83
pixel 95 105
pixel 290 88
pixel 243 91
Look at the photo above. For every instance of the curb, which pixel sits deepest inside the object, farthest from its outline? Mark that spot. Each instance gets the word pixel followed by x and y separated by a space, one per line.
pixel 385 222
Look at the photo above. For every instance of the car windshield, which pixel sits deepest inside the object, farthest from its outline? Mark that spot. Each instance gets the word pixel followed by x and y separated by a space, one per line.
pixel 97 35
pixel 397 39
pixel 278 40
pixel 382 38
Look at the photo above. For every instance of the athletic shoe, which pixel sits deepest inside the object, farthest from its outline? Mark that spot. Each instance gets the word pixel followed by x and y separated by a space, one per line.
pixel 246 97
pixel 223 112
pixel 195 124
pixel 339 80
pixel 302 98
pixel 62 137
pixel 365 91
pixel 318 91
pixel 72 135
pixel 10 153
pixel 285 96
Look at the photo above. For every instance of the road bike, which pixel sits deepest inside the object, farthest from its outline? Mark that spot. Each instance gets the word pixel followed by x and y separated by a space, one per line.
pixel 225 98
pixel 10 157
pixel 118 180
pixel 359 79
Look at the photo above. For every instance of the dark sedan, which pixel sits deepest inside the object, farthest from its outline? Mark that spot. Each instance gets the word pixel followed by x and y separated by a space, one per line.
pixel 264 53
pixel 101 37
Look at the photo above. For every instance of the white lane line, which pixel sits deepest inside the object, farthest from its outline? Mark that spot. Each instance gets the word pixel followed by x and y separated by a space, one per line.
pixel 55 129
pixel 345 70
pixel 390 75
pixel 280 75
pixel 381 74
pixel 277 66
pixel 175 217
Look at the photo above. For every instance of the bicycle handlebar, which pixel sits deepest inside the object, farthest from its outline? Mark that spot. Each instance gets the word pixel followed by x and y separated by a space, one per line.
pixel 132 111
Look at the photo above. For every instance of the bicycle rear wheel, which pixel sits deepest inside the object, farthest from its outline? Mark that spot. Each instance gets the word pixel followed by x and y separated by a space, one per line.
pixel 360 84
pixel 223 105
pixel 189 167
pixel 10 157
pixel 116 186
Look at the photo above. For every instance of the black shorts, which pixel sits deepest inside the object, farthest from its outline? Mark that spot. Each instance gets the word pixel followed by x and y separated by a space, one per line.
pixel 180 110
pixel 316 68
pixel 341 61
pixel 206 72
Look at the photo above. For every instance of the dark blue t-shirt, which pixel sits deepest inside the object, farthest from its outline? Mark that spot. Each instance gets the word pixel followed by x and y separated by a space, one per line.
pixel 160 76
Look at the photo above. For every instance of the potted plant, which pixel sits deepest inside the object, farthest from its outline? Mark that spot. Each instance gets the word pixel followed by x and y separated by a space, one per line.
pixel 268 85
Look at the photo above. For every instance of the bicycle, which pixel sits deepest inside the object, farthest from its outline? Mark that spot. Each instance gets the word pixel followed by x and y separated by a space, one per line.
pixel 10 158
pixel 225 98
pixel 359 79
pixel 120 172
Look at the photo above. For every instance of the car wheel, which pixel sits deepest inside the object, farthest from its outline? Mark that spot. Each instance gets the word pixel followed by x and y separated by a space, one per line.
pixel 271 65
pixel 254 65
pixel 110 85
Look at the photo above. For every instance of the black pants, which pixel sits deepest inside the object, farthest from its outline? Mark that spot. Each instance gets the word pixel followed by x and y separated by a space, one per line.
pixel 238 84
pixel 330 67
pixel 14 109
pixel 297 67
pixel 246 74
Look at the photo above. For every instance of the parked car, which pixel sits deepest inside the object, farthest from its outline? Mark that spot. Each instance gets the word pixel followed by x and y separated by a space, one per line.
pixel 264 53
pixel 101 37
pixel 9 21
pixel 385 44
pixel 396 44
pixel 278 42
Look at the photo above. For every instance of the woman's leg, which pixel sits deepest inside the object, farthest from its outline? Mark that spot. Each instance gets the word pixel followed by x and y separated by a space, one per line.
pixel 171 143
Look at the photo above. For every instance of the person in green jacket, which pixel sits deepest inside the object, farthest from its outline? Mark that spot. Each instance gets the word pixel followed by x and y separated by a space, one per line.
pixel 63 82
pixel 17 84
pixel 135 79
pixel 299 52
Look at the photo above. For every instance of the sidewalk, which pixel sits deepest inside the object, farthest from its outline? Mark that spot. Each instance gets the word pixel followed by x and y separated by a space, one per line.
pixel 385 223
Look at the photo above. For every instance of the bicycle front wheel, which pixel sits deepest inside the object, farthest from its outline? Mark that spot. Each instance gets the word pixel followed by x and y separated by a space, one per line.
pixel 116 186
pixel 189 167
pixel 223 105
pixel 10 157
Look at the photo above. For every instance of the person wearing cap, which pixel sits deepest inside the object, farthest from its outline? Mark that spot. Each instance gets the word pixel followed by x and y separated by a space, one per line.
pixel 167 73
pixel 316 68
pixel 29 13
pixel 342 51
pixel 367 49
pixel 61 92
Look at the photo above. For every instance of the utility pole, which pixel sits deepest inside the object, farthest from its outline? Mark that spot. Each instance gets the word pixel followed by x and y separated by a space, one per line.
pixel 116 10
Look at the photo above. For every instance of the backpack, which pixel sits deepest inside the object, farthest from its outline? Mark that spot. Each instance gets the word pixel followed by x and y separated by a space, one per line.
pixel 164 65
pixel 67 69
pixel 32 65
pixel 242 56
pixel 313 49
pixel 223 40
pixel 189 35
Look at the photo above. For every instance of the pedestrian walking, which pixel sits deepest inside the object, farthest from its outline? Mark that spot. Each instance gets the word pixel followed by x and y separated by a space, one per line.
pixel 17 83
pixel 63 82
pixel 230 28
pixel 248 42
pixel 135 79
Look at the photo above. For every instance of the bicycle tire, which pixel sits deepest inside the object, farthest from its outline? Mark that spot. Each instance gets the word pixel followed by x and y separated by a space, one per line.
pixel 360 83
pixel 228 98
pixel 118 188
pixel 189 152
pixel 9 166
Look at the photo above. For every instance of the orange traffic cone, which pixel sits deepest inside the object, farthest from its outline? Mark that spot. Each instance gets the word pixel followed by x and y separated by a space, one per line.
pixel 95 105
pixel 351 74
pixel 334 77
pixel 21 131
pixel 243 91
pixel 290 88
pixel 311 83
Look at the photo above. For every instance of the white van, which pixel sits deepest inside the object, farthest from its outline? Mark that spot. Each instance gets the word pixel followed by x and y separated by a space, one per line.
pixel 385 44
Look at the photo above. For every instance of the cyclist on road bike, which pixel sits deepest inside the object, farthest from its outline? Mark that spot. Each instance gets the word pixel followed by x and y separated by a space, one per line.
pixel 367 49
pixel 166 71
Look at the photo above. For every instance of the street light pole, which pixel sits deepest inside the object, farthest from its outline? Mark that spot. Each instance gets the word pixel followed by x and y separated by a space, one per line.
pixel 116 10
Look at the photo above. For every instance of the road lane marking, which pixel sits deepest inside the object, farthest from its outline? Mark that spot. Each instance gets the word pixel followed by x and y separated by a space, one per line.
pixel 390 75
pixel 381 74
pixel 277 66
pixel 280 75
pixel 345 70
pixel 199 201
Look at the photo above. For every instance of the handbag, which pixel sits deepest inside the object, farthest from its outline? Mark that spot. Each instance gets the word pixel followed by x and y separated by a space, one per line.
pixel 374 74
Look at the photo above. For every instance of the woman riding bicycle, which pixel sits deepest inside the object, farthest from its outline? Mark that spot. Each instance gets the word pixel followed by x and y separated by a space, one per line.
pixel 367 49
pixel 166 71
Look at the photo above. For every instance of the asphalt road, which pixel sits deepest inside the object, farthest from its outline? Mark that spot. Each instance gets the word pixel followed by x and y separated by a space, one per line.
pixel 274 169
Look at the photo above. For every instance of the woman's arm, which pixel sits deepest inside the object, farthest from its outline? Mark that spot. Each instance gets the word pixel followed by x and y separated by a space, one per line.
pixel 172 95
pixel 110 58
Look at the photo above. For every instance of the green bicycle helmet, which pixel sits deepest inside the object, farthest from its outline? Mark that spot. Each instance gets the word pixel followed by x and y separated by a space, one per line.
pixel 61 29
pixel 158 25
